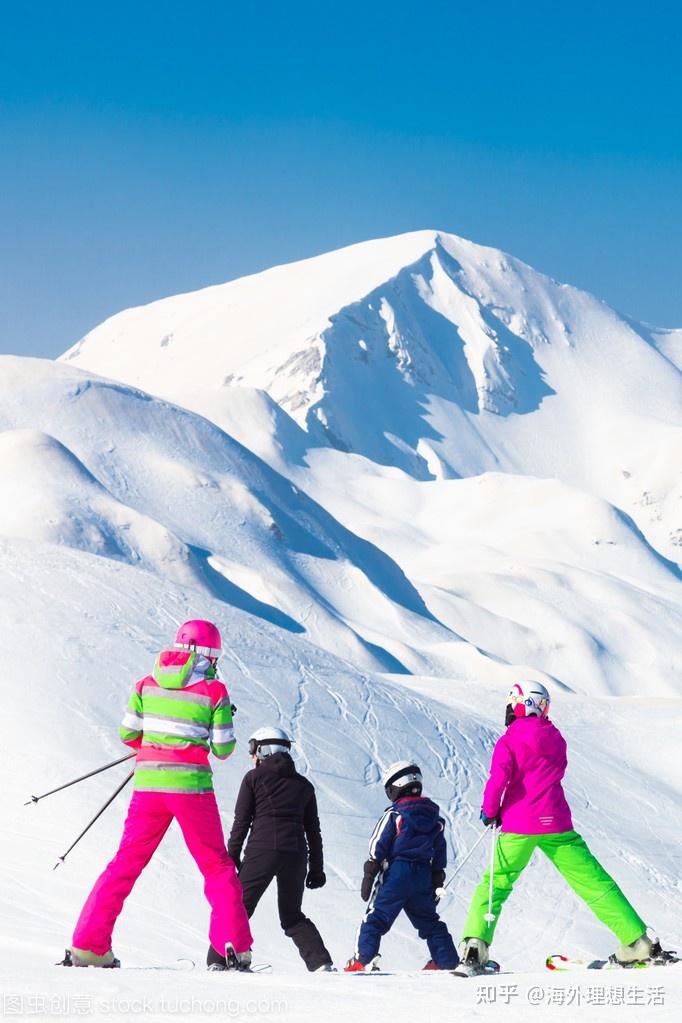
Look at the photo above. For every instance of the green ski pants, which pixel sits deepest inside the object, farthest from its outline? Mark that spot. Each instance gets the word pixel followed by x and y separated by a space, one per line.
pixel 576 864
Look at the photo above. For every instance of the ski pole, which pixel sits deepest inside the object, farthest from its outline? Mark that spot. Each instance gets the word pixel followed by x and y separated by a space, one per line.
pixel 98 770
pixel 440 892
pixel 490 916
pixel 99 813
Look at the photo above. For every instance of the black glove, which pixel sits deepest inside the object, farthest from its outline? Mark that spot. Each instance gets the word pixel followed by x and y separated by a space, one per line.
pixel 437 879
pixel 491 822
pixel 315 879
pixel 370 869
pixel 236 859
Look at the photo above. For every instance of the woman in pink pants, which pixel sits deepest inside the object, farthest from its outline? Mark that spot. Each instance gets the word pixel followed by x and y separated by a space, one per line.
pixel 174 718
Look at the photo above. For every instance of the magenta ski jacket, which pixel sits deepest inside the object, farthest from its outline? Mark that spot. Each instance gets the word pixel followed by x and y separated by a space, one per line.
pixel 524 785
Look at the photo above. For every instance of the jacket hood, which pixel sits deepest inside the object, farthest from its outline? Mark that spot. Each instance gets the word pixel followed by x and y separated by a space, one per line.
pixel 538 734
pixel 176 669
pixel 280 764
pixel 421 812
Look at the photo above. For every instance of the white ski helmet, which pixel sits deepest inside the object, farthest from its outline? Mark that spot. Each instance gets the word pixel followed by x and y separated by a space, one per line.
pixel 266 741
pixel 528 699
pixel 403 778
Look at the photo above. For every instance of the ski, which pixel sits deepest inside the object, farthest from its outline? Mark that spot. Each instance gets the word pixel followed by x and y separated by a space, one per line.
pixel 401 973
pixel 489 969
pixel 367 973
pixel 565 964
pixel 423 973
pixel 185 965
pixel 179 966
pixel 373 969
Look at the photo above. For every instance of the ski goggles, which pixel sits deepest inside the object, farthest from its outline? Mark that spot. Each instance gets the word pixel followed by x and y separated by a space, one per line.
pixel 255 744
pixel 208 651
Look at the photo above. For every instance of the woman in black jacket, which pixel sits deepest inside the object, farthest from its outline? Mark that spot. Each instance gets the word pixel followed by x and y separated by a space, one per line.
pixel 279 807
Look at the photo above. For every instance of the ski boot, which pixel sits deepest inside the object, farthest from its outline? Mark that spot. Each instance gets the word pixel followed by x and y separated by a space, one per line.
pixel 214 960
pixel 474 960
pixel 642 952
pixel 83 957
pixel 326 968
pixel 239 961
pixel 356 965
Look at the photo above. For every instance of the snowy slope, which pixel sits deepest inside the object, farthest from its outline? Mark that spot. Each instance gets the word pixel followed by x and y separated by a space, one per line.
pixel 486 577
pixel 125 475
pixel 529 571
pixel 93 624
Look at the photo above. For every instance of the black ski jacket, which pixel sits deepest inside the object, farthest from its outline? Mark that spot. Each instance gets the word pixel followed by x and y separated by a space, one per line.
pixel 280 808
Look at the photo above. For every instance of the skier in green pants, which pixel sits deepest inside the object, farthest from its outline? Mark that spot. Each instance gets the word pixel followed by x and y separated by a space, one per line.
pixel 525 798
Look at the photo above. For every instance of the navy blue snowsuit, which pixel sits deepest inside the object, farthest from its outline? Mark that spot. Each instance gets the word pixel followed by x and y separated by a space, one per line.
pixel 408 840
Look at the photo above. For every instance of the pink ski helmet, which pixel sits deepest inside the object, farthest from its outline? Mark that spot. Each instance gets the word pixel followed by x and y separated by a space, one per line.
pixel 201 636
pixel 529 699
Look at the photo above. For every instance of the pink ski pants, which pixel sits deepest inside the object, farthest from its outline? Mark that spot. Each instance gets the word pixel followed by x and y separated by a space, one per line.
pixel 149 817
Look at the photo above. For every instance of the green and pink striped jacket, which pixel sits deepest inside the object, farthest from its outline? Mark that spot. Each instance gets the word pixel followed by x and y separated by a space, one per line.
pixel 174 718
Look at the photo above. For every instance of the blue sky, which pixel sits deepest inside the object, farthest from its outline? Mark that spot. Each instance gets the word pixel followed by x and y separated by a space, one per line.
pixel 151 148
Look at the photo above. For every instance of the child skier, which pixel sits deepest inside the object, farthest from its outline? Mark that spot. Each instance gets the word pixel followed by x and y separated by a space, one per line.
pixel 524 796
pixel 279 808
pixel 173 718
pixel 407 860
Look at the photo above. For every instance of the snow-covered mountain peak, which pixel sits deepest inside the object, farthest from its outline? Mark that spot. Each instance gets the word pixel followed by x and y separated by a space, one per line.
pixel 252 318
pixel 427 310
pixel 289 329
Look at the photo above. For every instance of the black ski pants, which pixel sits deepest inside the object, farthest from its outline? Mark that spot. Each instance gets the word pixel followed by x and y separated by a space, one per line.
pixel 259 869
